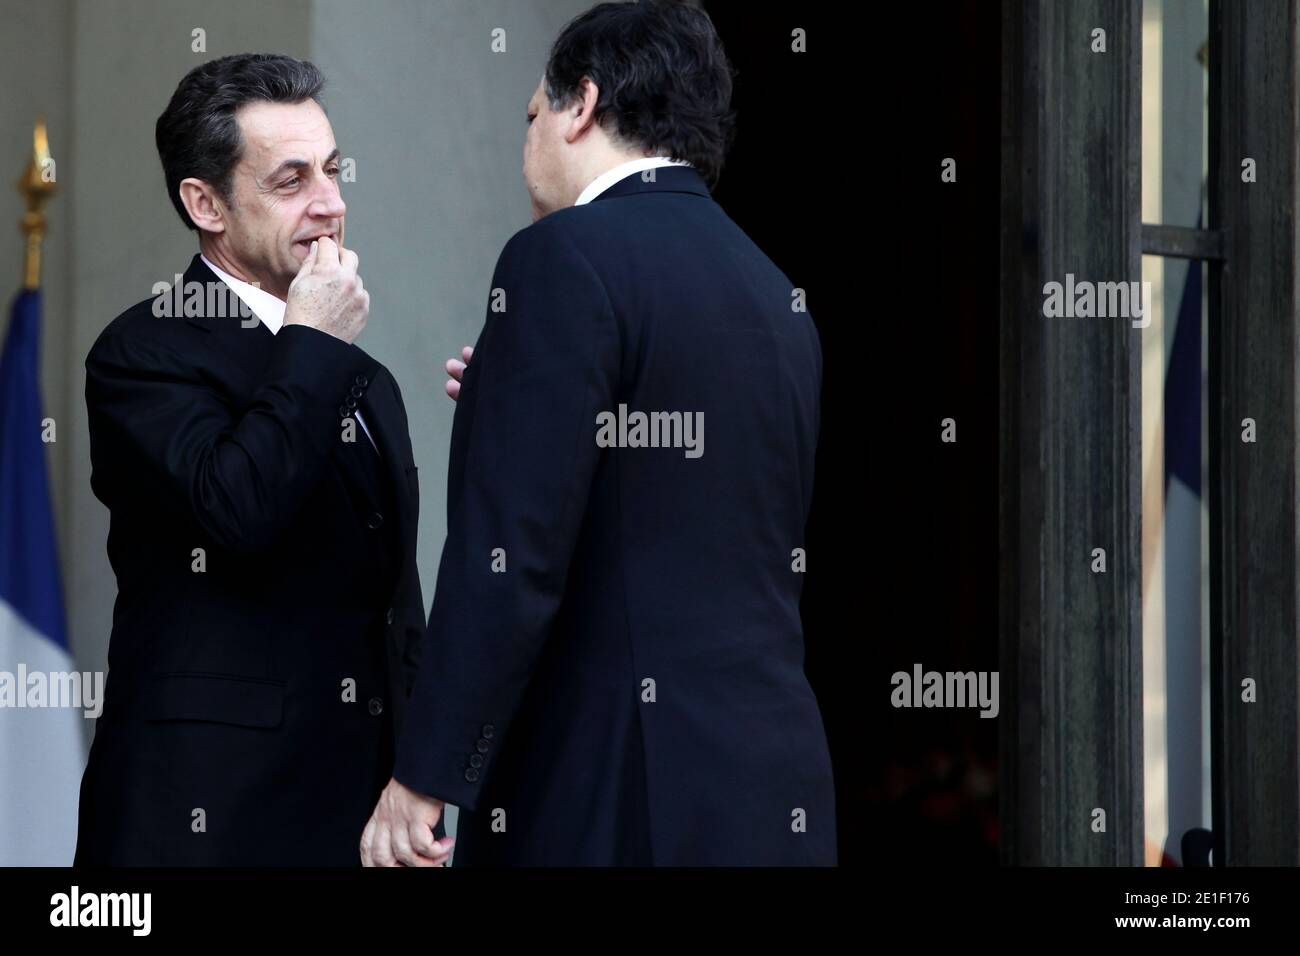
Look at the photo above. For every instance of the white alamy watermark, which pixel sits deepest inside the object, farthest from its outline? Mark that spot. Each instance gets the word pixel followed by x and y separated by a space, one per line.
pixel 53 689
pixel 626 429
pixel 212 300
pixel 75 908
pixel 923 688
pixel 1098 300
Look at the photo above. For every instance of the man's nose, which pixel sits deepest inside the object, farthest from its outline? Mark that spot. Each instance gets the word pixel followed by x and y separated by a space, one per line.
pixel 328 202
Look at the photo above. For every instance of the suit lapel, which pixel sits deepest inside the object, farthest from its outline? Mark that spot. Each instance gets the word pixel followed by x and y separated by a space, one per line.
pixel 229 315
pixel 246 339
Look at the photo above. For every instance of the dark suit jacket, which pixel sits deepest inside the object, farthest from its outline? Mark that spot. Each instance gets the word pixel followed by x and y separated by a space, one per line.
pixel 227 735
pixel 534 708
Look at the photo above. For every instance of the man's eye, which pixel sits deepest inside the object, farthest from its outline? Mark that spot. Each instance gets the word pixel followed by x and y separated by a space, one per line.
pixel 290 182
pixel 531 117
pixel 333 171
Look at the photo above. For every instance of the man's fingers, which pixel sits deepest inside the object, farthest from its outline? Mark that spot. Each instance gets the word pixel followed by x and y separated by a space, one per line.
pixel 457 372
pixel 309 261
pixel 348 262
pixel 423 842
pixel 426 861
pixel 407 846
pixel 427 851
pixel 467 353
pixel 328 253
pixel 402 847
pixel 381 847
pixel 366 835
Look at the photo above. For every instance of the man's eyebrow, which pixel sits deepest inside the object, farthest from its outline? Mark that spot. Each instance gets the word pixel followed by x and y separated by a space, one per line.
pixel 296 164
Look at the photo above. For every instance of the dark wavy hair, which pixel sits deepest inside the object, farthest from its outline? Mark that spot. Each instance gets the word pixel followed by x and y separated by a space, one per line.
pixel 198 135
pixel 663 78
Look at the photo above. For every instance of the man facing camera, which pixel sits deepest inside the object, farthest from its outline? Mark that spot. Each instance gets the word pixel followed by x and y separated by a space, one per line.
pixel 258 471
pixel 614 672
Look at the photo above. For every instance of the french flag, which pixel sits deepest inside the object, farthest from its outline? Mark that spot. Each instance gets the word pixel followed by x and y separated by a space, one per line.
pixel 42 747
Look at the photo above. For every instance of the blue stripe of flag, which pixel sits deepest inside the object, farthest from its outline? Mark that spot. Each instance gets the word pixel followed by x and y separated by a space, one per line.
pixel 30 581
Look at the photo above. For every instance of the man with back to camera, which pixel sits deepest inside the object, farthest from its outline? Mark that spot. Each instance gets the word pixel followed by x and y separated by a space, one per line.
pixel 614 674
pixel 258 470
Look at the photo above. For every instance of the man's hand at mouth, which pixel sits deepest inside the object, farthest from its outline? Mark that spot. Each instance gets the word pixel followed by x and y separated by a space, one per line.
pixel 327 293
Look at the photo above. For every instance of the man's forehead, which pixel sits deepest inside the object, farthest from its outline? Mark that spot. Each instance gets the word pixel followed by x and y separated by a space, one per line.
pixel 281 131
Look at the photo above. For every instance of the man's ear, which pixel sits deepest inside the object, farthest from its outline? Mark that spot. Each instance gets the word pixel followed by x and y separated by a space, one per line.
pixel 582 112
pixel 203 204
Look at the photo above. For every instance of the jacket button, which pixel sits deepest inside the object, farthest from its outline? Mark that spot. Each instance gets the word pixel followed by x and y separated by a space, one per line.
pixel 350 402
pixel 361 380
pixel 488 731
pixel 376 706
pixel 481 746
pixel 475 761
pixel 389 616
pixel 471 775
pixel 357 391
pixel 375 521
pixel 344 411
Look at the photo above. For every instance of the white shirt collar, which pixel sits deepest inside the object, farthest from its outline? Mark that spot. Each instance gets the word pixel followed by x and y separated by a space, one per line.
pixel 622 171
pixel 265 306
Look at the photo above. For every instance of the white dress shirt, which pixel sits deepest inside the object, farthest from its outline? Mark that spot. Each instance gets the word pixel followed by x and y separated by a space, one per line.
pixel 269 310
pixel 622 171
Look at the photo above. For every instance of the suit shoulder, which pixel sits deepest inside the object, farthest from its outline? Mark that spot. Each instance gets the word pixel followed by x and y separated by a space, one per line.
pixel 552 245
pixel 590 225
pixel 589 234
pixel 557 231
pixel 140 328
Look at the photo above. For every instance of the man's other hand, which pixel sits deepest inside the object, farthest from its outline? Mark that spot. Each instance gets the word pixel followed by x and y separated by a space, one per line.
pixel 457 372
pixel 400 831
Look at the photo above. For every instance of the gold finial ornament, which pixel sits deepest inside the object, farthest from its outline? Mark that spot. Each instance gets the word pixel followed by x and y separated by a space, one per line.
pixel 36 185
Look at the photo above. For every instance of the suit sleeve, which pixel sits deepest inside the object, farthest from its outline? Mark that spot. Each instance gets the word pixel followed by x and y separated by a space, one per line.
pixel 525 442
pixel 241 474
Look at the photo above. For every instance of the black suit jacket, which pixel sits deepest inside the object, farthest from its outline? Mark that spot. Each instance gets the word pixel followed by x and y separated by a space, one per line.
pixel 615 667
pixel 263 563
